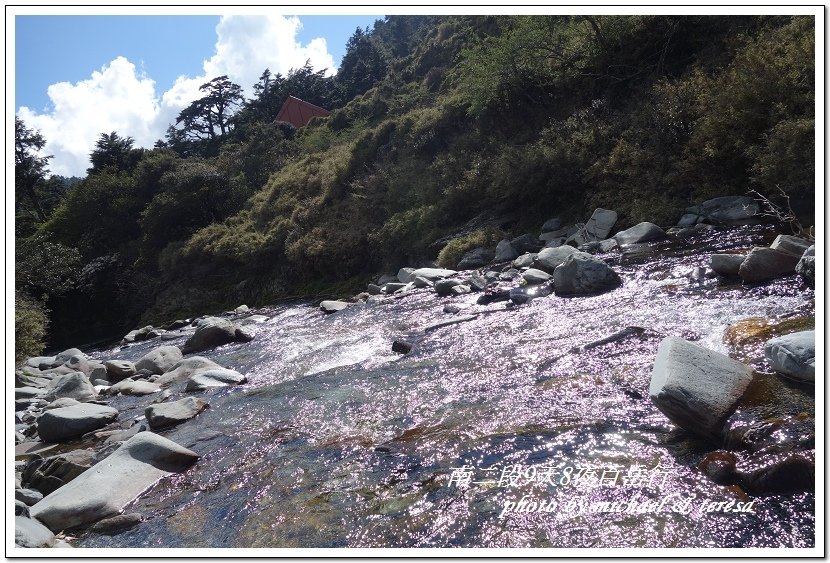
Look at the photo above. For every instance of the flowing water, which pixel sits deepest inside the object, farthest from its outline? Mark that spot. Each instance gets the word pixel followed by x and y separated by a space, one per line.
pixel 336 441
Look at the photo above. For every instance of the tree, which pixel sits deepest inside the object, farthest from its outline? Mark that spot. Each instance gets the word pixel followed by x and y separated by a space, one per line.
pixel 115 152
pixel 204 122
pixel 29 166
pixel 362 65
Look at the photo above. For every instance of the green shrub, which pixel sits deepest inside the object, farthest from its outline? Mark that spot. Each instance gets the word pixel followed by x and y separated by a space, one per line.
pixel 30 323
pixel 451 254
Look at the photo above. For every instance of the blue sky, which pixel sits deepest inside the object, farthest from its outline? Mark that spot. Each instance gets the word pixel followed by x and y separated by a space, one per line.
pixel 79 76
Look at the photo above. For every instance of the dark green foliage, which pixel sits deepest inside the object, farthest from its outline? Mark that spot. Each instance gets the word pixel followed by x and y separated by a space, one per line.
pixel 29 170
pixel 30 323
pixel 114 153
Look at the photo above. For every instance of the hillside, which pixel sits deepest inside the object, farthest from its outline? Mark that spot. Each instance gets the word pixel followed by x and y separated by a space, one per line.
pixel 445 130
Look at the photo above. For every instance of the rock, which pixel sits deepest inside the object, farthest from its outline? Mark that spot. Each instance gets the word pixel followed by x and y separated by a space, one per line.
pixel 433 274
pixel 66 355
pixel 793 354
pixel 476 258
pixel 494 296
pixel 727 264
pixel 331 306
pixel 373 289
pixel 696 388
pixel 764 264
pixel 164 415
pixel 209 378
pixel 564 232
pixel 159 360
pixel 390 288
pixel 444 287
pixel 608 245
pixel 50 474
pixel 477 283
pixel 726 210
pixel 533 276
pixel 37 361
pixel 211 332
pixel 525 243
pixel 21 509
pixel 401 347
pixel 117 523
pixel 177 324
pixel 119 369
pixel 134 387
pixel 186 368
pixel 521 295
pixel 405 275
pixel 806 266
pixel 689 219
pixel 552 225
pixel 794 245
pixel 27 496
pixel 28 392
pixel 460 290
pixel 62 402
pixel 421 282
pixel 137 335
pixel 31 533
pixel 81 363
pixel 556 242
pixel 505 252
pixel 66 423
pixel 525 260
pixel 549 258
pixel 589 247
pixel 110 485
pixel 641 232
pixel 778 473
pixel 509 275
pixel 598 227
pixel 451 309
pixel 582 274
pixel 242 309
pixel 387 278
pixel 74 385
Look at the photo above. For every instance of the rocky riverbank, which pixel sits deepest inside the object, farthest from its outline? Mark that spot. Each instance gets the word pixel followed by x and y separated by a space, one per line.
pixel 94 431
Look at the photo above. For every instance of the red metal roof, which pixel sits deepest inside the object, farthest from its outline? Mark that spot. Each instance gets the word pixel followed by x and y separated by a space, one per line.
pixel 298 112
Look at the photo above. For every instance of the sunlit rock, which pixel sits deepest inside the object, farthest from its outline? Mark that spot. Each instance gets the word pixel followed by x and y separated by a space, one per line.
pixel 793 354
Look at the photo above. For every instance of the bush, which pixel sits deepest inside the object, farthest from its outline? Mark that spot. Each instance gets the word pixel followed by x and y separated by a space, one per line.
pixel 30 323
pixel 451 254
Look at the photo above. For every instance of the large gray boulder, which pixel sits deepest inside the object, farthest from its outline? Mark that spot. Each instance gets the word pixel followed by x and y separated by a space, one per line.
pixel 433 274
pixel 726 210
pixel 764 264
pixel 81 363
pixel 533 276
pixel 806 266
pixel 696 388
pixel 212 332
pixel 793 354
pixel 552 225
pixel 74 385
pixel 582 274
pixel 444 287
pixel 598 227
pixel 185 368
pixel 31 533
pixel 405 275
pixel 642 232
pixel 119 369
pixel 525 260
pixel 210 378
pixel 49 474
pixel 332 306
pixel 164 415
pixel 159 360
pixel 526 243
pixel 505 252
pixel 113 483
pixel 134 387
pixel 788 243
pixel 476 258
pixel 66 423
pixel 727 264
pixel 549 258
pixel 66 355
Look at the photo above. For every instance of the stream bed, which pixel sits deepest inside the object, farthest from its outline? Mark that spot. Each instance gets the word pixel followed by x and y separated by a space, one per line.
pixel 336 441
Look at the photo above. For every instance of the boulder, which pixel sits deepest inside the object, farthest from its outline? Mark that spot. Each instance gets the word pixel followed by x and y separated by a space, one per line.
pixel 533 276
pixel 387 278
pixel 373 289
pixel 421 282
pixel 390 288
pixel 727 264
pixel 549 258
pixel 793 354
pixel 38 361
pixel 764 264
pixel 137 335
pixel 401 347
pixel 521 295
pixel 476 258
pixel 444 287
pixel 331 306
pixel 477 282
pixel 159 360
pixel 461 289
pixel 525 243
pixel 552 225
pixel 27 392
pixel 66 423
pixel 726 210
pixel 185 368
pixel 164 415
pixel 598 227
pixel 562 233
pixel 696 388
pixel 31 533
pixel 177 324
pixel 60 403
pixel 806 266
pixel 51 473
pixel 794 245
pixel 433 274
pixel 81 363
pixel 21 509
pixel 28 496
pixel 582 274
pixel 74 385
pixel 505 252
pixel 608 245
pixel 66 355
pixel 525 260
pixel 689 220
pixel 405 275
pixel 217 377
pixel 212 332
pixel 115 524
pixel 109 486
pixel 134 387
pixel 241 310
pixel 119 369
pixel 642 232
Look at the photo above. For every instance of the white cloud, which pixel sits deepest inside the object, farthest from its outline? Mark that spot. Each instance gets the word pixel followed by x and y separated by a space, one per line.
pixel 119 98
